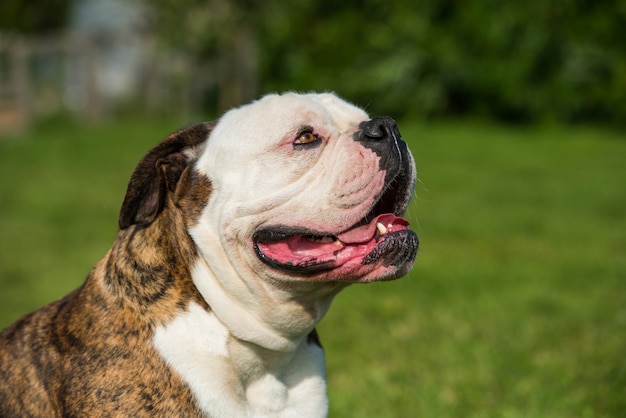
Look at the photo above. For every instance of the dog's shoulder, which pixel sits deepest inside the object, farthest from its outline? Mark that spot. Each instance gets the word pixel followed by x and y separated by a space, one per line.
pixel 64 359
pixel 30 362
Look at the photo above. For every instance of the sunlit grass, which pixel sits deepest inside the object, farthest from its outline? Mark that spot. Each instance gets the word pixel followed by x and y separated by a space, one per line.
pixel 516 306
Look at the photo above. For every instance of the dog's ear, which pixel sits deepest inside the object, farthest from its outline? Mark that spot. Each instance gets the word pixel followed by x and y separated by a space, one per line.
pixel 158 173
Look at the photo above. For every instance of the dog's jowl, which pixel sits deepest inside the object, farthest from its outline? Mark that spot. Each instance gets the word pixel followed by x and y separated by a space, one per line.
pixel 234 238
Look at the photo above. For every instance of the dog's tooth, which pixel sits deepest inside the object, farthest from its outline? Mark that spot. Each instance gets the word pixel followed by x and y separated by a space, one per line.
pixel 338 242
pixel 381 228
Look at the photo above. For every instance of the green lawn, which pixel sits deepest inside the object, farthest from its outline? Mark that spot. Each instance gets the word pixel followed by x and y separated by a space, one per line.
pixel 516 306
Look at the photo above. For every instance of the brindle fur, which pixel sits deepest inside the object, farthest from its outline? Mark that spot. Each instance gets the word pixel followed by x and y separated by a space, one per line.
pixel 90 353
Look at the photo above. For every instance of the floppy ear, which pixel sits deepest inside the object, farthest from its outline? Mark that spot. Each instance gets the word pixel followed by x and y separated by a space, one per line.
pixel 158 173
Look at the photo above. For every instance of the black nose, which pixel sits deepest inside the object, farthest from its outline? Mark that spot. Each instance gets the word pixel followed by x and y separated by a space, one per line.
pixel 379 129
pixel 382 136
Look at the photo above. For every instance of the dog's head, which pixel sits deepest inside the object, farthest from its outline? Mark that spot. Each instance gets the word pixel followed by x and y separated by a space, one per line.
pixel 289 189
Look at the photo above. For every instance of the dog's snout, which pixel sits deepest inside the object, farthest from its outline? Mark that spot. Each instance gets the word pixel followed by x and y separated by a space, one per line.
pixel 382 128
pixel 382 136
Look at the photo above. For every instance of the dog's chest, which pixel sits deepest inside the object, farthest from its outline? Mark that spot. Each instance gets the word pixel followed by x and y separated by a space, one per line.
pixel 229 383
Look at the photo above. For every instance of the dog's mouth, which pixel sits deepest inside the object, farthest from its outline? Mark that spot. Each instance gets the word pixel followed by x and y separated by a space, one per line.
pixel 382 236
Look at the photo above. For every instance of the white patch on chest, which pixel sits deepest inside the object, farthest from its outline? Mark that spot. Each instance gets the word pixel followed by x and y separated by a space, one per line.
pixel 241 383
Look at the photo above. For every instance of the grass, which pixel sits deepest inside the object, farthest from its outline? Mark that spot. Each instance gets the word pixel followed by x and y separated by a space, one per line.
pixel 516 306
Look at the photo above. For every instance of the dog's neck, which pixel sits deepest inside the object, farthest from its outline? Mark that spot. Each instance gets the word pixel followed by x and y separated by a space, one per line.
pixel 147 269
pixel 267 317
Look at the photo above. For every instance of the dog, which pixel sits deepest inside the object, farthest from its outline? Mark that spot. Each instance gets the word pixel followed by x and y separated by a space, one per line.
pixel 234 238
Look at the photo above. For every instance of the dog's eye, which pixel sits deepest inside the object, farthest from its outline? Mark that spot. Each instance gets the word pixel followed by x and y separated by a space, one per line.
pixel 306 138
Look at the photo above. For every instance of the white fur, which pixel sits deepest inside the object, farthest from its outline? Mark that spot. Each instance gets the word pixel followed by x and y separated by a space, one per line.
pixel 230 378
pixel 258 178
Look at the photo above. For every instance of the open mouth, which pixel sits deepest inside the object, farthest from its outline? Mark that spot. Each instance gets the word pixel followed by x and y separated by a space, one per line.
pixel 381 236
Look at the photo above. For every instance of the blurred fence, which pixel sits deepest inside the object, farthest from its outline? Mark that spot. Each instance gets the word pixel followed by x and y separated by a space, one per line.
pixel 96 78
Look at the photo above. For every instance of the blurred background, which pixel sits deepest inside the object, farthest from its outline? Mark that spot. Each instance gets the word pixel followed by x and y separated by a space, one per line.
pixel 531 61
pixel 515 113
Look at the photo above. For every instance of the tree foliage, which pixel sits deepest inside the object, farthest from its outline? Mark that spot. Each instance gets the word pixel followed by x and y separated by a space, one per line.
pixel 514 61
pixel 509 60
pixel 33 16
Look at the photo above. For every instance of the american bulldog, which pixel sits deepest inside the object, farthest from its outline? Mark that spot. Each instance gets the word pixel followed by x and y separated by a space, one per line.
pixel 234 238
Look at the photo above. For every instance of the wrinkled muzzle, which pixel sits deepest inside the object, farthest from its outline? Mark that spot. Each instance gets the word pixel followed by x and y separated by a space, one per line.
pixel 381 238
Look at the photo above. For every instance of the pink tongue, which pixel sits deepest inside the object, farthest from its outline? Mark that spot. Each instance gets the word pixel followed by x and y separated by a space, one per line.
pixel 365 233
